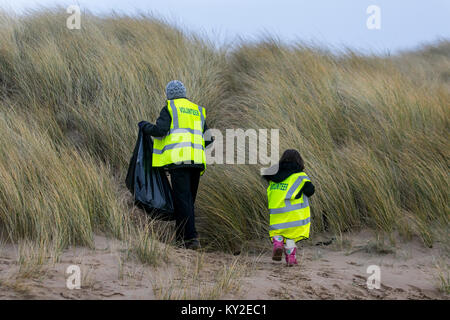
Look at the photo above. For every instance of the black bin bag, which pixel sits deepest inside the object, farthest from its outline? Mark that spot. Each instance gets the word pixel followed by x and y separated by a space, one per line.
pixel 149 185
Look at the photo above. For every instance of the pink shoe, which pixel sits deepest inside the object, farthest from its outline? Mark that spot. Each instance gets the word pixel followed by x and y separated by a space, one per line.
pixel 290 258
pixel 278 246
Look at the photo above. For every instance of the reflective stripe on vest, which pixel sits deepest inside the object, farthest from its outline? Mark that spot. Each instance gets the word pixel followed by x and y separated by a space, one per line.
pixel 178 145
pixel 291 224
pixel 184 141
pixel 292 189
pixel 291 207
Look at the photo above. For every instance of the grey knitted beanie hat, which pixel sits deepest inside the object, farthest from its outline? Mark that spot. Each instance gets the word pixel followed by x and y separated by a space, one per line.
pixel 175 89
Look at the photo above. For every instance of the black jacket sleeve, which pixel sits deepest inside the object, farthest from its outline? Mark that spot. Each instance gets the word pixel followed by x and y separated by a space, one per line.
pixel 308 189
pixel 207 142
pixel 162 126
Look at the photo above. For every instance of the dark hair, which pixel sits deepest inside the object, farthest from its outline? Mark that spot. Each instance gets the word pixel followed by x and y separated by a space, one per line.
pixel 291 155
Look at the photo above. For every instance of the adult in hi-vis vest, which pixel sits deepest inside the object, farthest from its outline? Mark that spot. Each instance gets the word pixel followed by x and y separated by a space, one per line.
pixel 179 145
pixel 289 213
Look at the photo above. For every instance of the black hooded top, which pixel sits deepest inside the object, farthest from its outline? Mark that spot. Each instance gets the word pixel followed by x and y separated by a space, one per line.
pixel 285 170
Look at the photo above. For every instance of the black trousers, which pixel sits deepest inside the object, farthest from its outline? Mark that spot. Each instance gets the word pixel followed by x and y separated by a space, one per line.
pixel 184 185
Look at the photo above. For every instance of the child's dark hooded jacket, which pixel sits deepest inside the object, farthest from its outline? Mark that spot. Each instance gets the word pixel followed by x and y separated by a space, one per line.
pixel 285 170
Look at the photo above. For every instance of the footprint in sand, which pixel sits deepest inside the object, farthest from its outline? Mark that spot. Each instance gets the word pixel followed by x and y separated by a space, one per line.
pixel 419 293
pixel 309 290
pixel 353 263
pixel 323 274
pixel 303 278
pixel 336 286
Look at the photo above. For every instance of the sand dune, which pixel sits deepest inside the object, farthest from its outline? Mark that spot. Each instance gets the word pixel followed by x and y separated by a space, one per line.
pixel 324 272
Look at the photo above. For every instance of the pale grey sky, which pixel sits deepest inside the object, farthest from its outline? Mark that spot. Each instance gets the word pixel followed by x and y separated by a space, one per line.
pixel 404 23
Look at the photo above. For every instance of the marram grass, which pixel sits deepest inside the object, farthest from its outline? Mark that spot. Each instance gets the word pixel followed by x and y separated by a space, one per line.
pixel 372 130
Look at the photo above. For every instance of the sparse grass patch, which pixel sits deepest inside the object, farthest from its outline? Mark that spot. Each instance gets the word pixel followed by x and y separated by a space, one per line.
pixel 18 285
pixel 378 246
pixel 34 258
pixel 442 275
pixel 150 243
pixel 191 281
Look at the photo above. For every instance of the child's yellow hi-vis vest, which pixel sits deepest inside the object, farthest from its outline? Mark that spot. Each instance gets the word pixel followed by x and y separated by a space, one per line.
pixel 184 143
pixel 289 217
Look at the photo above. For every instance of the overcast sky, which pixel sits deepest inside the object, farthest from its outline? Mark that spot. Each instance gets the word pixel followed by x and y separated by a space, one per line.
pixel 404 23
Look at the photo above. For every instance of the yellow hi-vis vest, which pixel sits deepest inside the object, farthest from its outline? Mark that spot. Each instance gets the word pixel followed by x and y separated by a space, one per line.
pixel 289 217
pixel 184 143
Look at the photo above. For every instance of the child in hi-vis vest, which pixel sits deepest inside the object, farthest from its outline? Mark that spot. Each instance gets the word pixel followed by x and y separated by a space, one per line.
pixel 287 194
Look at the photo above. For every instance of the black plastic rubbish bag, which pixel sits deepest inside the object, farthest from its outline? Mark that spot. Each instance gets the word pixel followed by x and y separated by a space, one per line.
pixel 150 186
